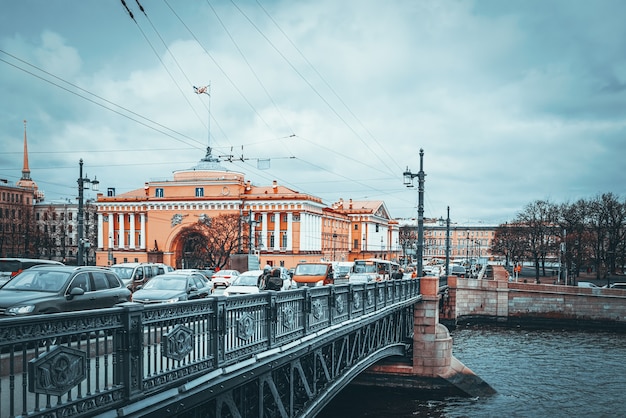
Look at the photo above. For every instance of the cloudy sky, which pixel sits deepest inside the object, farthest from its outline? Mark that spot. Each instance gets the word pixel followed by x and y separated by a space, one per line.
pixel 511 101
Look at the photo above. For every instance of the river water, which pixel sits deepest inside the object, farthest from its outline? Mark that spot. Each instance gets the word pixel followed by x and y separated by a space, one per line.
pixel 536 373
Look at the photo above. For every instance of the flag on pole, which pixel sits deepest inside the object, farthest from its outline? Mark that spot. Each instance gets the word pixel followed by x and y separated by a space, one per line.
pixel 201 90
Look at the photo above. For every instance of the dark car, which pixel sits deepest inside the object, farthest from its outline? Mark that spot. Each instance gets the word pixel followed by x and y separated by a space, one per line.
pixel 458 271
pixel 10 267
pixel 173 287
pixel 49 289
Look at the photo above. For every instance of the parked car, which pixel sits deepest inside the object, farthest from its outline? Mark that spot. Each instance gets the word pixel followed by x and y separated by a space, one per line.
pixel 586 284
pixel 11 267
pixel 52 288
pixel 456 270
pixel 245 284
pixel 224 277
pixel 137 274
pixel 173 287
pixel 618 286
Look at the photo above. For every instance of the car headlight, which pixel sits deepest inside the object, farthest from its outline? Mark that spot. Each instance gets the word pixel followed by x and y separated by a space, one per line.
pixel 172 300
pixel 20 310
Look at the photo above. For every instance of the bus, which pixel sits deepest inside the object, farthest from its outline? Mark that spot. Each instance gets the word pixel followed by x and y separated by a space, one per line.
pixel 384 269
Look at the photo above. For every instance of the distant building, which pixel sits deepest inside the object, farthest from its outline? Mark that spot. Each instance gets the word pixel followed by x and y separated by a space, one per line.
pixel 467 241
pixel 17 233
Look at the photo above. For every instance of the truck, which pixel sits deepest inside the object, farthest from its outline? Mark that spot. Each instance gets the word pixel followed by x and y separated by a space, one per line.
pixel 313 274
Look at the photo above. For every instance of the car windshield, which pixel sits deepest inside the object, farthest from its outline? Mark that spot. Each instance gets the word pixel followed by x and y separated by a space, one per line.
pixel 365 268
pixel 123 272
pixel 247 280
pixel 166 283
pixel 311 269
pixel 38 280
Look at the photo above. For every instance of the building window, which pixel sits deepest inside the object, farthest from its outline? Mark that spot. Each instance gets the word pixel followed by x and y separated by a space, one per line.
pixel 356 227
pixel 199 191
pixel 158 192
pixel 272 218
pixel 377 227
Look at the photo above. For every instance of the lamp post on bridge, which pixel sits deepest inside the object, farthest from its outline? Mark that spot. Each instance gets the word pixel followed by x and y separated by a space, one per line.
pixel 82 181
pixel 408 182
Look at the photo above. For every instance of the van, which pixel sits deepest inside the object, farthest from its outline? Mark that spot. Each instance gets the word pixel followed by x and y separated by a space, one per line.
pixel 137 274
pixel 342 269
pixel 313 274
pixel 10 267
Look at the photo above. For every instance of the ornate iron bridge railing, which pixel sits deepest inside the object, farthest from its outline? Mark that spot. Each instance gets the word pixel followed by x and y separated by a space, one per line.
pixel 271 354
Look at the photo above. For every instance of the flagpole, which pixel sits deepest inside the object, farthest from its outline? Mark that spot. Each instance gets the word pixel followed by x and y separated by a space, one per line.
pixel 206 90
pixel 209 127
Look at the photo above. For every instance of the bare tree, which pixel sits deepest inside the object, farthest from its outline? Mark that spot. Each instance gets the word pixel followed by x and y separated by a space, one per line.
pixel 509 241
pixel 211 241
pixel 573 221
pixel 539 220
pixel 607 219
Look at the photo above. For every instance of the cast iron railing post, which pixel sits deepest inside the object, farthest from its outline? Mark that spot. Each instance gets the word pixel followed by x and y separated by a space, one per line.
pixel 129 349
pixel 218 330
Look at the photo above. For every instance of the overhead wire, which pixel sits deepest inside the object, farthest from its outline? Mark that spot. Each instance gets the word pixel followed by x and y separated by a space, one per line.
pixel 224 73
pixel 99 98
pixel 256 75
pixel 313 88
pixel 384 149
pixel 159 56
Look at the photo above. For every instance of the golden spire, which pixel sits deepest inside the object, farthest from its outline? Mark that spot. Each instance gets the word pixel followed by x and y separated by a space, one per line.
pixel 25 170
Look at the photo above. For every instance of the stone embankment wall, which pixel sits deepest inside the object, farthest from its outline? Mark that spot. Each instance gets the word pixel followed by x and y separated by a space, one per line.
pixel 501 301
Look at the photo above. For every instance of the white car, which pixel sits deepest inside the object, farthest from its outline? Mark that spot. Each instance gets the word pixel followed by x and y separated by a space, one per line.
pixel 244 284
pixel 586 284
pixel 356 278
pixel 223 278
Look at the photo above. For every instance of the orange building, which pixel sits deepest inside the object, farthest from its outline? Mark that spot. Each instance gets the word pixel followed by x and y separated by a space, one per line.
pixel 286 226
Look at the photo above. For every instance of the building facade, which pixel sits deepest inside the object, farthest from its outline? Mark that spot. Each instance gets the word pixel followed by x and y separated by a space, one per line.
pixel 286 227
pixel 467 241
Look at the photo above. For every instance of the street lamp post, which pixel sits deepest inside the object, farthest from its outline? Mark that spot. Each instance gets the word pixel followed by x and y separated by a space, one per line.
pixel 249 219
pixel 447 241
pixel 82 181
pixel 469 264
pixel 408 182
pixel 364 246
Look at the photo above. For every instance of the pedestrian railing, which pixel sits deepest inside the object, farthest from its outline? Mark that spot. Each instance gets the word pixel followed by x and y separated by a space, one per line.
pixel 80 363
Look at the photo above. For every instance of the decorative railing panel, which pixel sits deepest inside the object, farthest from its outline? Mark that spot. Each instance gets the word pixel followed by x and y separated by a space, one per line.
pixel 84 363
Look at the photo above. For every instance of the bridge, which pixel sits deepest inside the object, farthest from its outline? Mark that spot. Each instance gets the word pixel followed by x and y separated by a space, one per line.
pixel 267 355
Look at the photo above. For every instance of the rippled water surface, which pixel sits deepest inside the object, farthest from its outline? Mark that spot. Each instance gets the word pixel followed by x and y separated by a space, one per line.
pixel 536 373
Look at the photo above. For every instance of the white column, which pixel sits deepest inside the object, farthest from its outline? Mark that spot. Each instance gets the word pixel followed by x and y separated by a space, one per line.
pixel 100 232
pixel 131 244
pixel 120 219
pixel 111 222
pixel 289 231
pixel 142 239
pixel 318 232
pixel 277 231
pixel 263 239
